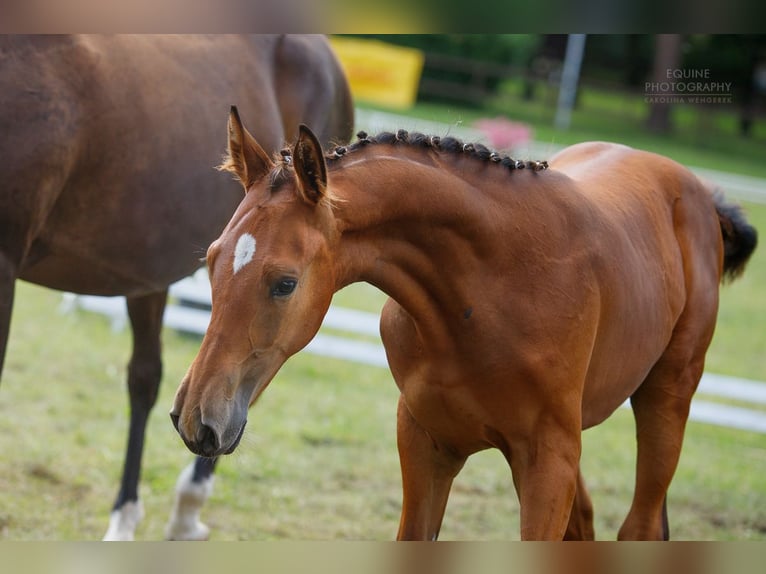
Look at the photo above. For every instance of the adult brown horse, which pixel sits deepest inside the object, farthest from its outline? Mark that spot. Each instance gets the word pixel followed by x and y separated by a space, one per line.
pixel 526 304
pixel 107 185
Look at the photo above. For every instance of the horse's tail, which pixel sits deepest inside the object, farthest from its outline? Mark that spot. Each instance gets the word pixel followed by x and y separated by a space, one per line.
pixel 739 237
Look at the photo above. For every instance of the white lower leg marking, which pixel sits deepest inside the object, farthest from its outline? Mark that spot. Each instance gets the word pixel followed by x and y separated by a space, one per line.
pixel 124 520
pixel 244 251
pixel 184 523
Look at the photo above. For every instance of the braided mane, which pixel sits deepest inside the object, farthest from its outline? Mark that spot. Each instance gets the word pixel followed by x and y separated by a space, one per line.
pixel 446 144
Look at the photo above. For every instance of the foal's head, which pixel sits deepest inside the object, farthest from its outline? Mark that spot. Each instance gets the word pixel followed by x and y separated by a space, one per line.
pixel 272 281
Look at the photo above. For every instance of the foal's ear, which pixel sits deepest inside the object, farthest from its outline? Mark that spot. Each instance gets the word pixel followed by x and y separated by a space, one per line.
pixel 310 167
pixel 245 159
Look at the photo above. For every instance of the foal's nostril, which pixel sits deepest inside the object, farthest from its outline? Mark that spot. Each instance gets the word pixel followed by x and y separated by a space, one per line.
pixel 207 441
pixel 175 418
pixel 204 442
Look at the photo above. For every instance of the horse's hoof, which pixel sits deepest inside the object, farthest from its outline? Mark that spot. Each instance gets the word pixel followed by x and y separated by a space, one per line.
pixel 124 521
pixel 184 523
pixel 196 532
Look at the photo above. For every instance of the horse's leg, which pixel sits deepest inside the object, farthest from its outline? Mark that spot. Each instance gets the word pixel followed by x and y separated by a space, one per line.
pixel 7 288
pixel 580 525
pixel 194 486
pixel 144 374
pixel 428 470
pixel 660 407
pixel 661 404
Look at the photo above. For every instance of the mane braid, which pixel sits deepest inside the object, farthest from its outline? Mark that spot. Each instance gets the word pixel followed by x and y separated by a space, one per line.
pixel 281 174
pixel 446 144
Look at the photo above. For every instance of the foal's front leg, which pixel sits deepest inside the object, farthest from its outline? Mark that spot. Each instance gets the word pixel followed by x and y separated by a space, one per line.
pixel 428 470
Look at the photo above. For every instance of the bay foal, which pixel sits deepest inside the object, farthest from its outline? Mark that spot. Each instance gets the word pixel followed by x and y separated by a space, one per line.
pixel 527 302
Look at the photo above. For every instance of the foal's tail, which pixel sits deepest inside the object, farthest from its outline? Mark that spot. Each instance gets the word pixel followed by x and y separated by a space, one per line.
pixel 739 237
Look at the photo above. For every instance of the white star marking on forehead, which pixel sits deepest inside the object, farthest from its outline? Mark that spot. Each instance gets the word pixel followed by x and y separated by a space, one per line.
pixel 244 251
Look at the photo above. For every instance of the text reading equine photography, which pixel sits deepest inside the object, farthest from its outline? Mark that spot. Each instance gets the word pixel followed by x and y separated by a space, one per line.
pixel 687 87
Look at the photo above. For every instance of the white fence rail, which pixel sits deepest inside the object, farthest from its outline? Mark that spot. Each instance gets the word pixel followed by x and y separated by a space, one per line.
pixel 188 311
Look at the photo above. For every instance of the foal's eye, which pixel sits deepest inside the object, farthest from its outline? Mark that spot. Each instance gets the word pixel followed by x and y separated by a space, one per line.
pixel 283 287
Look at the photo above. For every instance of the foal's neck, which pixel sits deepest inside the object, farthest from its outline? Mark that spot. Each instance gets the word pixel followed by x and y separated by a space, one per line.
pixel 412 230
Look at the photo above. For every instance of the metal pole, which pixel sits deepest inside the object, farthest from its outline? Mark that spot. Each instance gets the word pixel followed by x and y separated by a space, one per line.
pixel 570 76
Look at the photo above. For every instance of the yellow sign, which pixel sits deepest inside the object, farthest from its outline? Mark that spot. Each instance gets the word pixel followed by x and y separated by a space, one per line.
pixel 380 73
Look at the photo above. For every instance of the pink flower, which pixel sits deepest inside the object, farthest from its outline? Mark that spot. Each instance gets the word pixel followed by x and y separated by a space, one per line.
pixel 504 134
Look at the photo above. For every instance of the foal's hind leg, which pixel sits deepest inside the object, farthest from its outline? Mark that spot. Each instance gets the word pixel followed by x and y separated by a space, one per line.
pixel 661 408
pixel 144 374
pixel 428 470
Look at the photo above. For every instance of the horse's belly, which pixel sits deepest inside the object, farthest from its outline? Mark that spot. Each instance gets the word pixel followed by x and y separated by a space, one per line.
pixel 111 264
pixel 601 399
pixel 65 274
pixel 625 351
pixel 139 241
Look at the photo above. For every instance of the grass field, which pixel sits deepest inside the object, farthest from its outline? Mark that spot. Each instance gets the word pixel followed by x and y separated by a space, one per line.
pixel 318 460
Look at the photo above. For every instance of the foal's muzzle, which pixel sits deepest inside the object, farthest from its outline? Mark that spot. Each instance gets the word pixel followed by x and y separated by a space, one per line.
pixel 204 440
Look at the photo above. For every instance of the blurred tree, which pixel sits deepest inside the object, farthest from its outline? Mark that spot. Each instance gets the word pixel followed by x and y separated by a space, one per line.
pixel 638 59
pixel 667 56
pixel 624 59
pixel 733 58
pixel 544 64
